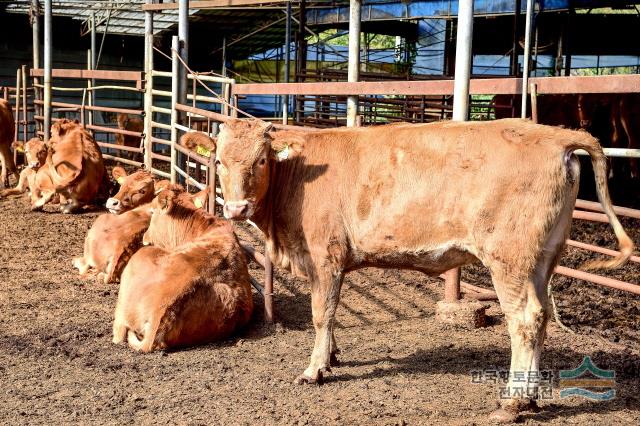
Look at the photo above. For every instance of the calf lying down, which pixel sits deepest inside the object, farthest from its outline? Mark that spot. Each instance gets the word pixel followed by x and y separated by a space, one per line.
pixel 35 152
pixel 190 286
pixel 113 238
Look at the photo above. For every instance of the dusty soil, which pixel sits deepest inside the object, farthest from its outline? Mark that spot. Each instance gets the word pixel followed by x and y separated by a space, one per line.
pixel 399 366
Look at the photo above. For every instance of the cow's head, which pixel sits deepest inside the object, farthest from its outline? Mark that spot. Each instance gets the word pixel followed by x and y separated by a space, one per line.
pixel 245 153
pixel 587 105
pixel 62 127
pixel 171 204
pixel 35 152
pixel 135 189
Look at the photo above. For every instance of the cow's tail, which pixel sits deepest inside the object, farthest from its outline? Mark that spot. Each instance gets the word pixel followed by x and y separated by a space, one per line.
pixel 599 162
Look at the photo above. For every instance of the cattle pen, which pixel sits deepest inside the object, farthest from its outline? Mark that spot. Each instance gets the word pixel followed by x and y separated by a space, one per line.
pixel 172 93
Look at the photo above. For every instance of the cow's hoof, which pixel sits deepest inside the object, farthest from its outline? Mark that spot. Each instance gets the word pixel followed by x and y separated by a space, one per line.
pixel 36 208
pixel 504 416
pixel 303 379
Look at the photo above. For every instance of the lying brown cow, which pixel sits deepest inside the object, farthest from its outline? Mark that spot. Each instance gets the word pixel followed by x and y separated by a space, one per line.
pixel 35 152
pixel 190 287
pixel 135 189
pixel 428 197
pixel 74 166
pixel 7 129
pixel 132 124
pixel 114 238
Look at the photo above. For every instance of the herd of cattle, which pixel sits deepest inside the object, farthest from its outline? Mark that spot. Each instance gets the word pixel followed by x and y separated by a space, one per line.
pixel 427 197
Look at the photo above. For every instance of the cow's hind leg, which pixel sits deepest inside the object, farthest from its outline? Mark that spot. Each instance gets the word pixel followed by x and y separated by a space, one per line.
pixel 325 295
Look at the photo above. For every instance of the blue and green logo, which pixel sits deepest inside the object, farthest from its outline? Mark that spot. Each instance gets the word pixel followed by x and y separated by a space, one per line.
pixel 588 381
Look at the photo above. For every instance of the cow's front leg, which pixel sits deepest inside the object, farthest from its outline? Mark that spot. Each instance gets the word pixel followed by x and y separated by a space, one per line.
pixel 71 206
pixel 325 295
pixel 40 202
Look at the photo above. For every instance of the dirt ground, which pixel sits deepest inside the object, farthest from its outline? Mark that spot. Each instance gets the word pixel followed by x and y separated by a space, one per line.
pixel 399 366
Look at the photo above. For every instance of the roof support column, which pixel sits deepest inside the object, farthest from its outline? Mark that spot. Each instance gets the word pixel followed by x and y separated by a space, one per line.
pixel 353 74
pixel 93 55
pixel 183 38
pixel 148 93
pixel 35 26
pixel 527 58
pixel 463 61
pixel 47 70
pixel 287 63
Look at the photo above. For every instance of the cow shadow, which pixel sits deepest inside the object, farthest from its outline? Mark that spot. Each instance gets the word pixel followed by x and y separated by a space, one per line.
pixel 446 359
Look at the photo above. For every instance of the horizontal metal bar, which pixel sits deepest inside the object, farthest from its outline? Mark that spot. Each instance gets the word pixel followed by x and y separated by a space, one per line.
pixel 193 156
pixel 194 182
pixel 120 147
pixel 89 74
pixel 160 141
pixel 597 249
pixel 89 89
pixel 205 99
pixel 629 83
pixel 594 217
pixel 155 73
pixel 212 78
pixel 113 130
pixel 182 128
pixel 204 113
pixel 160 125
pixel 122 160
pixel 615 152
pixel 597 279
pixel 204 4
pixel 620 211
pixel 160 109
pixel 161 173
pixel 161 157
pixel 165 93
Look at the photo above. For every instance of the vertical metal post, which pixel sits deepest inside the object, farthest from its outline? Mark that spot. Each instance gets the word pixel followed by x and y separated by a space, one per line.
pixel 527 58
pixel 93 59
pixel 534 102
pixel 16 117
pixel 183 38
pixel 90 90
pixel 148 92
pixel 175 66
pixel 463 60
pixel 567 40
pixel 25 115
pixel 223 70
pixel 513 67
pixel 211 208
pixel 35 26
pixel 287 63
pixel 464 42
pixel 47 69
pixel 353 72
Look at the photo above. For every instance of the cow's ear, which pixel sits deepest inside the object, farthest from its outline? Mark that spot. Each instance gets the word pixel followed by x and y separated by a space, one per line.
pixel 18 146
pixel 286 147
pixel 200 198
pixel 165 200
pixel 267 127
pixel 119 174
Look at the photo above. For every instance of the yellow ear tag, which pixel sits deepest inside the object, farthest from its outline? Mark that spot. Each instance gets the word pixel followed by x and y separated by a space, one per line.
pixel 198 203
pixel 200 150
pixel 283 154
pixel 120 180
pixel 20 149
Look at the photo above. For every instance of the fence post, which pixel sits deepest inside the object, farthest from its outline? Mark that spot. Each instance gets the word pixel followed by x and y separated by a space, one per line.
pixel 90 90
pixel 148 93
pixel 16 117
pixel 174 101
pixel 534 102
pixel 25 114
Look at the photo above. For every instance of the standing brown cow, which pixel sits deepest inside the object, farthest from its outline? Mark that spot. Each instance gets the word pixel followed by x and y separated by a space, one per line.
pixel 428 197
pixel 190 287
pixel 132 124
pixel 7 130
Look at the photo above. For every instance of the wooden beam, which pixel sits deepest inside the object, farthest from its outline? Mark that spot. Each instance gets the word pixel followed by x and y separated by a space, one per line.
pixel 489 86
pixel 96 74
pixel 210 4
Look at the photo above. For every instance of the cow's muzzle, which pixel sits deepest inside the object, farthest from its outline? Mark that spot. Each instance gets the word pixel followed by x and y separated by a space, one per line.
pixel 34 165
pixel 236 210
pixel 113 205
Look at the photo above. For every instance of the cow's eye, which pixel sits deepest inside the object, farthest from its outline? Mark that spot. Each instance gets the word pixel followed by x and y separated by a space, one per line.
pixel 217 163
pixel 262 161
pixel 142 191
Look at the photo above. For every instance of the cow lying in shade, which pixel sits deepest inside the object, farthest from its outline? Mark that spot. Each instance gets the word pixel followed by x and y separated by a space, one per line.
pixel 113 238
pixel 135 189
pixel 189 287
pixel 7 129
pixel 35 153
pixel 74 166
pixel 427 197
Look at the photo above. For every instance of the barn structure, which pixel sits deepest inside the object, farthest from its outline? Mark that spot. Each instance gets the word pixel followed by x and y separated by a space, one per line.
pixel 188 65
